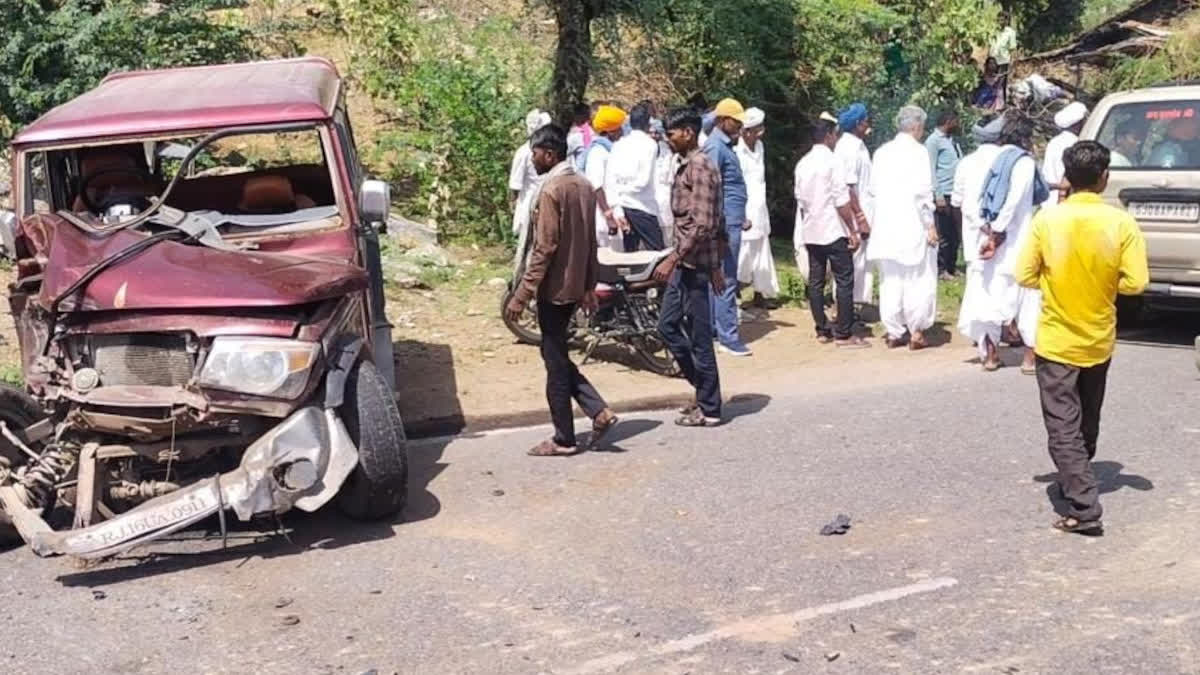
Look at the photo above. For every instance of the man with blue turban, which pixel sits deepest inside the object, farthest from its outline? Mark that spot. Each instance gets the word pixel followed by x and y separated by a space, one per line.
pixel 855 161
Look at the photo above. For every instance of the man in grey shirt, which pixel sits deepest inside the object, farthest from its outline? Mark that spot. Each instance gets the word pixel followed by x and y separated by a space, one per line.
pixel 944 153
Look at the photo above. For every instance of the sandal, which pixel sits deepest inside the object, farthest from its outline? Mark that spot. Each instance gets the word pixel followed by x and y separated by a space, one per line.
pixel 548 448
pixel 689 408
pixel 1028 370
pixel 894 343
pixel 601 428
pixel 1073 525
pixel 853 343
pixel 824 339
pixel 697 418
pixel 917 345
pixel 991 366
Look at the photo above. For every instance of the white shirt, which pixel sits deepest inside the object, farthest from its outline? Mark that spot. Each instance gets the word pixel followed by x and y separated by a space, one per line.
pixel 969 179
pixel 522 176
pixel 902 188
pixel 596 173
pixel 1053 169
pixel 1016 215
pixel 855 161
pixel 819 192
pixel 754 170
pixel 629 183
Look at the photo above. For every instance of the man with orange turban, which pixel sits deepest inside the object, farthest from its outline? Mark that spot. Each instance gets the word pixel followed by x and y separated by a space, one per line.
pixel 607 122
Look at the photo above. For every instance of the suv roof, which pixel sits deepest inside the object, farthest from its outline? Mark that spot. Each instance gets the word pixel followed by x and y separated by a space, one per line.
pixel 1183 91
pixel 198 98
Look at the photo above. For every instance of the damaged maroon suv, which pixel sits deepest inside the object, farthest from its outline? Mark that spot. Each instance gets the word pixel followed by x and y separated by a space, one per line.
pixel 200 311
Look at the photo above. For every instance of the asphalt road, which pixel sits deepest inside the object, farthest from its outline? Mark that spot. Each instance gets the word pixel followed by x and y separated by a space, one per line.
pixel 696 551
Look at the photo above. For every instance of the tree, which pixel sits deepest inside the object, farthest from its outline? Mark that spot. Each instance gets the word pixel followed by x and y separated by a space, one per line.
pixel 54 50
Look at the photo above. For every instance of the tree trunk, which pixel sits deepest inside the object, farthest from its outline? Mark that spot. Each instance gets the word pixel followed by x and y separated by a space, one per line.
pixel 572 59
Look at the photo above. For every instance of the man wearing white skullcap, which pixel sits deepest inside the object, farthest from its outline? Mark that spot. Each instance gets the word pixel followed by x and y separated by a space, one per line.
pixel 522 175
pixel 756 267
pixel 1070 119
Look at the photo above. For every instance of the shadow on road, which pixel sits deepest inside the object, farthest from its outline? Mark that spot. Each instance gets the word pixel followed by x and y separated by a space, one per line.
pixel 1163 329
pixel 625 431
pixel 752 331
pixel 744 405
pixel 1109 476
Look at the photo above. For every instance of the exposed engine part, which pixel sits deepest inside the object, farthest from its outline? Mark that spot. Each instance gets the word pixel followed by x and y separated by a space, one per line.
pixel 36 481
pixel 139 492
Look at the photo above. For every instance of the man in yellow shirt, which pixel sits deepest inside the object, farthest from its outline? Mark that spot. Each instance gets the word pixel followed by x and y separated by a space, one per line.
pixel 1081 254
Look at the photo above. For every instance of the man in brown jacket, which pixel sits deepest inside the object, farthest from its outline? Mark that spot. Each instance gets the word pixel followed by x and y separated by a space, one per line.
pixel 561 275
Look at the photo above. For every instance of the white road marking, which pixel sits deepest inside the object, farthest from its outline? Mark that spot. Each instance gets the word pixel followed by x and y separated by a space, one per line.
pixel 757 626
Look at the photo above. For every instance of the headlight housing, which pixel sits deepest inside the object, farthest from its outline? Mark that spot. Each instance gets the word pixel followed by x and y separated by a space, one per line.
pixel 260 366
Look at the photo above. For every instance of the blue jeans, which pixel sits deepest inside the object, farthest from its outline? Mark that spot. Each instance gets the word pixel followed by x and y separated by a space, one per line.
pixel 684 323
pixel 724 304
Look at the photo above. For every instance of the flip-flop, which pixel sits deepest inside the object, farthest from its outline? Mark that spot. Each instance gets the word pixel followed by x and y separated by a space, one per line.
pixel 1073 525
pixel 1027 370
pixel 853 343
pixel 697 419
pixel 599 431
pixel 549 448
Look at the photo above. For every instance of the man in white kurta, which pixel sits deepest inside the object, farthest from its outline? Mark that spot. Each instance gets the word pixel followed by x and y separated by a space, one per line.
pixel 855 160
pixel 903 237
pixel 522 175
pixel 756 266
pixel 982 316
pixel 607 122
pixel 999 300
pixel 1070 119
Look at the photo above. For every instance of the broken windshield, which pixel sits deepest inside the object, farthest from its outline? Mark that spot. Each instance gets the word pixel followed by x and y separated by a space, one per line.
pixel 247 181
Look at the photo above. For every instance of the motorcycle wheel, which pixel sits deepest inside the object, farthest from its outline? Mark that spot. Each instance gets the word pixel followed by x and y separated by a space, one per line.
pixel 654 354
pixel 526 328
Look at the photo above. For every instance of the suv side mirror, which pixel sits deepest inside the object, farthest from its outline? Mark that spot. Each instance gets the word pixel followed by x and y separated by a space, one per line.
pixel 8 235
pixel 374 201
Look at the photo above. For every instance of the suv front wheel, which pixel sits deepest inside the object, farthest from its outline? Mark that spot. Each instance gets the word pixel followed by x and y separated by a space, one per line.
pixel 379 485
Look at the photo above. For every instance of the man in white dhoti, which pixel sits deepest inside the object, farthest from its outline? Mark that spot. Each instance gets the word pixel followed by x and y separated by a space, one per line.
pixel 665 165
pixel 982 316
pixel 756 266
pixel 903 237
pixel 855 159
pixel 1012 187
pixel 521 174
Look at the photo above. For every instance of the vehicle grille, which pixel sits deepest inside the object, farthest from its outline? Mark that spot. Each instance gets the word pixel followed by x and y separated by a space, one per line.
pixel 142 359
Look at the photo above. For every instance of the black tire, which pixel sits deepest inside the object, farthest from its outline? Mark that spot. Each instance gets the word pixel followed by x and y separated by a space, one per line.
pixel 379 485
pixel 18 410
pixel 526 329
pixel 1131 311
pixel 654 354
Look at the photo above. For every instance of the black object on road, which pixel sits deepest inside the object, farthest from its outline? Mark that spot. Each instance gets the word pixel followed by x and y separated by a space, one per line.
pixel 839 525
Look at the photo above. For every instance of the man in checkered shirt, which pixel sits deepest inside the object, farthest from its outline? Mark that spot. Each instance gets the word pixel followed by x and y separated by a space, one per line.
pixel 693 269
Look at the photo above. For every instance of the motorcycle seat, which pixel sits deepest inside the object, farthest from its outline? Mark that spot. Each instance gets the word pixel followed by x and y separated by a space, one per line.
pixel 627 267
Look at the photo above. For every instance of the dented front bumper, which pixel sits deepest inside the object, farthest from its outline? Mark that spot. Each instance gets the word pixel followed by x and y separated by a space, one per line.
pixel 300 463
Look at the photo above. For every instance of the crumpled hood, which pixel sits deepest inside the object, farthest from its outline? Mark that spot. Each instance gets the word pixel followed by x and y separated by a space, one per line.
pixel 171 275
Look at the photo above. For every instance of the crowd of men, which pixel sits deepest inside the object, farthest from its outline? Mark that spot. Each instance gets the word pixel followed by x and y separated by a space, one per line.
pixel 693 184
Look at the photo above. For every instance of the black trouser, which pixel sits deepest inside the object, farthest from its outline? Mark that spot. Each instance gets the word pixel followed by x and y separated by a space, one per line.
pixel 1071 402
pixel 839 258
pixel 643 227
pixel 949 238
pixel 685 323
pixel 563 380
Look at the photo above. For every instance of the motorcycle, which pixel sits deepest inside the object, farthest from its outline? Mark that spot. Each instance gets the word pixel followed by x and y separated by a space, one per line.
pixel 628 299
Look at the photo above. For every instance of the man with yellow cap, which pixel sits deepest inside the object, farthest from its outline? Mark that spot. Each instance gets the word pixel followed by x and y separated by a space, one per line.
pixel 607 123
pixel 730 117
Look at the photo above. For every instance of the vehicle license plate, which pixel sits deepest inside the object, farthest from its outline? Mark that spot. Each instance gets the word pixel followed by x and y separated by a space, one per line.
pixel 156 518
pixel 1168 211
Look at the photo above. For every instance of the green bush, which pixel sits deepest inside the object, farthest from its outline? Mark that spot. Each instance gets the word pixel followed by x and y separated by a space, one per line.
pixel 460 112
pixel 51 52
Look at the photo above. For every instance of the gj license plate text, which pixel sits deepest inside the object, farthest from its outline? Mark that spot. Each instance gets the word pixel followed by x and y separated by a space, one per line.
pixel 1170 211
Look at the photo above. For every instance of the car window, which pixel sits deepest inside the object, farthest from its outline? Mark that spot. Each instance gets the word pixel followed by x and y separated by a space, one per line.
pixel 1160 135
pixel 40 197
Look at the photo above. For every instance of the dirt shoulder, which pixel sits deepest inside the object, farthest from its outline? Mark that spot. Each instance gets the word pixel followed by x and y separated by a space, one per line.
pixel 459 369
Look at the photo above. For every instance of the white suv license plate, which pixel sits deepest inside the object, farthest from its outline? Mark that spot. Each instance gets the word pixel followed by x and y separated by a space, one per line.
pixel 1166 211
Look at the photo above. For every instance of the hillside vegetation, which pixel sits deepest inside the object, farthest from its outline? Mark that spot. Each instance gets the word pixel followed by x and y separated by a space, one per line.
pixel 439 87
